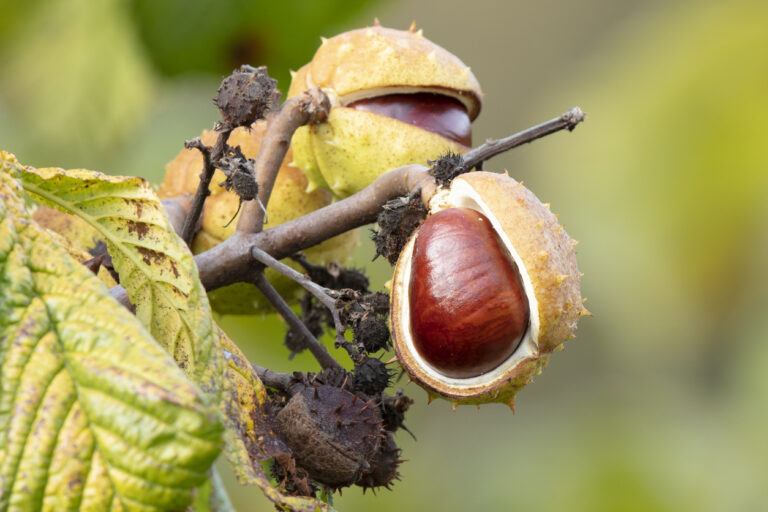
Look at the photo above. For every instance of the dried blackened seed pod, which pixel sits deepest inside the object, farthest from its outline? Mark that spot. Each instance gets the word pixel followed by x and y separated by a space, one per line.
pixel 378 302
pixel 334 276
pixel 351 278
pixel 244 184
pixel 371 376
pixel 333 435
pixel 372 333
pixel 245 96
pixel 393 410
pixel 398 219
pixel 241 176
pixel 312 315
pixel 447 167
pixel 384 466
pixel 336 377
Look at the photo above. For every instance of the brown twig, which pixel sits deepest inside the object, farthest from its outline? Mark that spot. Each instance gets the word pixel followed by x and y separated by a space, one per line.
pixel 326 296
pixel 230 261
pixel 313 345
pixel 566 121
pixel 272 379
pixel 310 107
pixel 210 157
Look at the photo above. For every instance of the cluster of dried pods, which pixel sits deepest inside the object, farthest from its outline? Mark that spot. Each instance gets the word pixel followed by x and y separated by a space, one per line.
pixel 485 283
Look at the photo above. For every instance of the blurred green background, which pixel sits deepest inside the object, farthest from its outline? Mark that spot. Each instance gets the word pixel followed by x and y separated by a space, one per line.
pixel 661 401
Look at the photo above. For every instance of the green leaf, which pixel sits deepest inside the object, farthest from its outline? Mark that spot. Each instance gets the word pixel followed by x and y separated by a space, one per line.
pixel 156 268
pixel 249 439
pixel 94 415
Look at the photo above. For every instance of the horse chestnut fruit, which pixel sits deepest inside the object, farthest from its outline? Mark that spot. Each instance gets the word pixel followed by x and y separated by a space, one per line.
pixel 486 288
pixel 468 309
pixel 397 99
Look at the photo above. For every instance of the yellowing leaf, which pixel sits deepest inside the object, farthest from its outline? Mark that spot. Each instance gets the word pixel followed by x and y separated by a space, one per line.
pixel 249 440
pixel 155 266
pixel 94 415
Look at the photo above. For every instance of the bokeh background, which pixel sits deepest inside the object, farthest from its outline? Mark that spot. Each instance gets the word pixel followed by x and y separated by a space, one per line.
pixel 661 403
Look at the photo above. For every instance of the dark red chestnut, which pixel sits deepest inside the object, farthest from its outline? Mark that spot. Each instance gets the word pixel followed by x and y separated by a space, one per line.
pixel 481 297
pixel 468 307
pixel 436 113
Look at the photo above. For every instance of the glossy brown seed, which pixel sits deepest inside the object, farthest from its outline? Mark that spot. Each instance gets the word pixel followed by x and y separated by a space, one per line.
pixel 467 304
pixel 437 113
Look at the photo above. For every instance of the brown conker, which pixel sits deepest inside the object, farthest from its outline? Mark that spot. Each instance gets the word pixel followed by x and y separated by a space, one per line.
pixel 436 113
pixel 468 307
pixel 484 291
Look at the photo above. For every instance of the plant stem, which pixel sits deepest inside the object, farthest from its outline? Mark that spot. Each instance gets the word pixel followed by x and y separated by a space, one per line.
pixel 566 121
pixel 315 347
pixel 310 107
pixel 210 157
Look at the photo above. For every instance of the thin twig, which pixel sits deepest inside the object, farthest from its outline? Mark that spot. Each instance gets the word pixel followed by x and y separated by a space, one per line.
pixel 210 157
pixel 315 347
pixel 566 121
pixel 230 261
pixel 326 296
pixel 272 379
pixel 310 107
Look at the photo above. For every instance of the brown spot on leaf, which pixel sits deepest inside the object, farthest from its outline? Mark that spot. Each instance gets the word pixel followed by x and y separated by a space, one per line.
pixel 139 228
pixel 150 257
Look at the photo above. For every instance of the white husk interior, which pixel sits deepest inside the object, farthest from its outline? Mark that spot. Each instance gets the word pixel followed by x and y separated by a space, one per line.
pixel 461 195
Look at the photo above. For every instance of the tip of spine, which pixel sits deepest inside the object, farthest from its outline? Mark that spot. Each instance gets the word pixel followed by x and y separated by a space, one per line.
pixel 511 405
pixel 412 28
pixel 420 32
pixel 376 22
pixel 454 405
